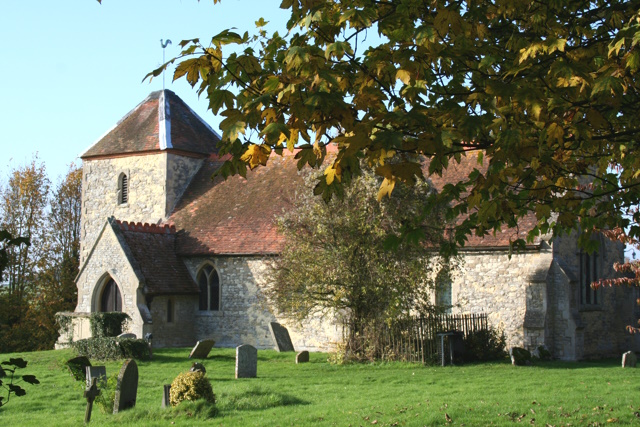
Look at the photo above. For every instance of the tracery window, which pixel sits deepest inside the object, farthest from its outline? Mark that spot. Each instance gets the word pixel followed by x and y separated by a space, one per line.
pixel 209 284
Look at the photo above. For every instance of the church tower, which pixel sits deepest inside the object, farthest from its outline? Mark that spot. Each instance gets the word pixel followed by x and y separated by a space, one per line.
pixel 139 169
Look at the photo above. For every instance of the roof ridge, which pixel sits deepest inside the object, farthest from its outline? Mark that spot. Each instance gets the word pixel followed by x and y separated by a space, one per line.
pixel 146 227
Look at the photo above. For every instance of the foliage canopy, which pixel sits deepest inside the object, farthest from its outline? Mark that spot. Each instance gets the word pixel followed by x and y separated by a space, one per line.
pixel 546 90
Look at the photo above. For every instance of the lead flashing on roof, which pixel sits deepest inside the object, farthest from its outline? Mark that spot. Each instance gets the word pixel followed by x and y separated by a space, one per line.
pixel 164 122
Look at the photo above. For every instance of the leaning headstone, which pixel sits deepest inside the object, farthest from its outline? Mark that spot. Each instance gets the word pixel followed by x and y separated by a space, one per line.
pixel 98 372
pixel 520 356
pixel 246 361
pixel 78 367
pixel 166 396
pixel 90 394
pixel 2 373
pixel 629 360
pixel 127 386
pixel 198 367
pixel 127 335
pixel 201 349
pixel 302 357
pixel 281 337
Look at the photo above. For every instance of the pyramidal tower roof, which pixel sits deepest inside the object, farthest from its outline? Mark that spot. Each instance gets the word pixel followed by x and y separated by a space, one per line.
pixel 161 122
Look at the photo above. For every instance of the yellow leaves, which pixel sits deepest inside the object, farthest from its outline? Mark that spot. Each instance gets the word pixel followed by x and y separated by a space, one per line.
pixel 407 172
pixel 545 47
pixel 386 188
pixel 256 155
pixel 404 76
pixel 332 172
pixel 555 133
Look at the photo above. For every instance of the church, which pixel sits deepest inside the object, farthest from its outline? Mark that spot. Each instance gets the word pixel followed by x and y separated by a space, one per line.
pixel 184 254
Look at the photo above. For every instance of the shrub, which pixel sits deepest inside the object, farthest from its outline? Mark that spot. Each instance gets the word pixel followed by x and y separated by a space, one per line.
pixel 109 324
pixel 191 386
pixel 111 348
pixel 485 345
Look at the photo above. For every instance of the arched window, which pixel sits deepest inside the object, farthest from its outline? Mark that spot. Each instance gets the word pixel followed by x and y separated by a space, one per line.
pixel 123 189
pixel 209 284
pixel 110 300
pixel 589 273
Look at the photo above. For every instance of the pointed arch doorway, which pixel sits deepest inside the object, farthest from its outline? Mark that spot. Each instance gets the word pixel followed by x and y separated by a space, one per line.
pixel 110 298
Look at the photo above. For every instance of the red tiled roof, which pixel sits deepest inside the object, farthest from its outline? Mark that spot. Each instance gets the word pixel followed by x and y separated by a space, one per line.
pixel 153 248
pixel 457 172
pixel 235 216
pixel 154 125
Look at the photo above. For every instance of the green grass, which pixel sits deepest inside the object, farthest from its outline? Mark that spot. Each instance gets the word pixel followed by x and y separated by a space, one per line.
pixel 317 393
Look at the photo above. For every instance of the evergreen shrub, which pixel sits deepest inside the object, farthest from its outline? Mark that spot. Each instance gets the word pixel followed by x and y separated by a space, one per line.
pixel 191 386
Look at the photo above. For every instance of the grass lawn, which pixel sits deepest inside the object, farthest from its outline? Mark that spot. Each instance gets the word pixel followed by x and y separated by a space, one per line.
pixel 317 393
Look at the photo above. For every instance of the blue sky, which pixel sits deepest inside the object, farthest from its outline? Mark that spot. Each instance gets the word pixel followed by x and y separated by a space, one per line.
pixel 71 69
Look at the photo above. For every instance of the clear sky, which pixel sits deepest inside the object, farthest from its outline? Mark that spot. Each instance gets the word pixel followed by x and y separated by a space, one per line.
pixel 70 69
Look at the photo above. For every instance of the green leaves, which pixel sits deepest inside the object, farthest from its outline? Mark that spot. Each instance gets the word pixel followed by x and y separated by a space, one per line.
pixel 547 91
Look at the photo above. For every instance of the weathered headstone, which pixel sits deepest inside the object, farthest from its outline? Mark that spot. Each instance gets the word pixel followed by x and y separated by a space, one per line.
pixel 127 386
pixel 520 356
pixel 198 367
pixel 302 357
pixel 281 337
pixel 98 372
pixel 246 361
pixel 90 394
pixel 2 373
pixel 629 360
pixel 78 367
pixel 127 335
pixel 201 349
pixel 166 396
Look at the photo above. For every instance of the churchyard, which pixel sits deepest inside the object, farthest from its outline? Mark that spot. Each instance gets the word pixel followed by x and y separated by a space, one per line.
pixel 284 393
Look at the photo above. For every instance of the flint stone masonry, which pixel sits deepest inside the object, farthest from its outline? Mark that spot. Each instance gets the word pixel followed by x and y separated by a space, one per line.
pixel 244 315
pixel 109 260
pixel 246 361
pixel 156 181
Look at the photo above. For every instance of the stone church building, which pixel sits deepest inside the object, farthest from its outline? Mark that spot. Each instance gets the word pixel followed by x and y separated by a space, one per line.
pixel 184 255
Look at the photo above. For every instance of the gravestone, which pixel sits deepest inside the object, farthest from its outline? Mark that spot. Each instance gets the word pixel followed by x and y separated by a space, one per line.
pixel 281 337
pixel 127 335
pixel 198 367
pixel 127 386
pixel 246 361
pixel 2 373
pixel 90 394
pixel 98 372
pixel 302 357
pixel 520 356
pixel 629 360
pixel 201 349
pixel 78 367
pixel 166 396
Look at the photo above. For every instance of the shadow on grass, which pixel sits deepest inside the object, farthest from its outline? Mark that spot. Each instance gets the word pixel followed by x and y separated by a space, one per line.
pixel 257 399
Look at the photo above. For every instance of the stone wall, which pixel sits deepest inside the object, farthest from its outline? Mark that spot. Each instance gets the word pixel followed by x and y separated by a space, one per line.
pixel 180 332
pixel 511 291
pixel 156 181
pixel 244 316
pixel 109 260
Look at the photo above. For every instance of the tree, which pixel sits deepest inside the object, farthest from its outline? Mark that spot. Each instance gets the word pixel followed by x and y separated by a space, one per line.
pixel 23 206
pixel 55 290
pixel 336 261
pixel 546 90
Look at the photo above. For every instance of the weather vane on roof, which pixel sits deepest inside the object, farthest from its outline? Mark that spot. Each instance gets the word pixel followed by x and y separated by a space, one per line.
pixel 164 45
